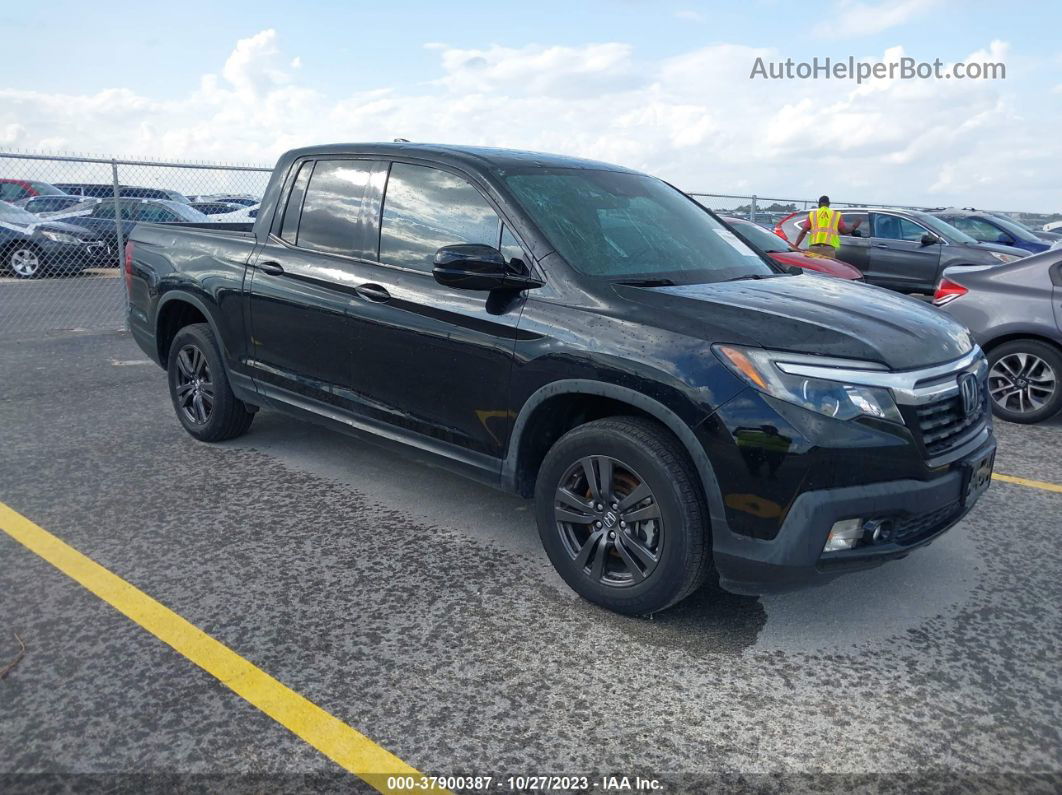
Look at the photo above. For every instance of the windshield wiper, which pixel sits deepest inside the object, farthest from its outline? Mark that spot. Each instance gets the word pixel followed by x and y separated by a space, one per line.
pixel 646 282
pixel 753 276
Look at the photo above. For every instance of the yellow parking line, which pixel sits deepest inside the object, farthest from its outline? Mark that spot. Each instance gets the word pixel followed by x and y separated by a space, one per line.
pixel 1032 484
pixel 347 747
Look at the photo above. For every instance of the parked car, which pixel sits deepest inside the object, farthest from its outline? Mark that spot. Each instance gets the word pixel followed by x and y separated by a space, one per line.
pixel 101 220
pixel 215 208
pixel 1053 226
pixel 30 247
pixel 58 204
pixel 102 190
pixel 905 250
pixel 1015 314
pixel 13 190
pixel 242 199
pixel 243 215
pixel 586 334
pixel 988 228
pixel 786 254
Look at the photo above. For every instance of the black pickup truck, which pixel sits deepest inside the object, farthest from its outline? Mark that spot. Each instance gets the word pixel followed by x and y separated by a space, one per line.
pixel 588 336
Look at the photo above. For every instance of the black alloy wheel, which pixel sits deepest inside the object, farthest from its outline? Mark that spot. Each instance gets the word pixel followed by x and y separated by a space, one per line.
pixel 199 387
pixel 622 515
pixel 609 521
pixel 194 389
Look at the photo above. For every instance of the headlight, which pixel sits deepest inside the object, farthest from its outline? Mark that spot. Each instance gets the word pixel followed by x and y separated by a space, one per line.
pixel 1003 257
pixel 759 369
pixel 60 237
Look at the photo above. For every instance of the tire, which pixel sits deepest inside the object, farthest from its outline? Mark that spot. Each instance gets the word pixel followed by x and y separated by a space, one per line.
pixel 1025 381
pixel 24 261
pixel 634 567
pixel 199 387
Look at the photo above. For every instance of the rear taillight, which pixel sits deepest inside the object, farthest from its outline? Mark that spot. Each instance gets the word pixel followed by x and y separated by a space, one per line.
pixel 128 266
pixel 948 291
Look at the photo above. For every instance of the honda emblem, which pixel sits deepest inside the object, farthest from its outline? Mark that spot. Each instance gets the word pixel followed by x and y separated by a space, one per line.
pixel 969 392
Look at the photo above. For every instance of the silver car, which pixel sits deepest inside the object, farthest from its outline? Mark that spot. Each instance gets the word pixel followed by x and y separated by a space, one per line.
pixel 1015 313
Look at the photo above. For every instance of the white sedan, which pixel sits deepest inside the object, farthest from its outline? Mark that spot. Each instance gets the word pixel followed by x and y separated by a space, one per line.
pixel 245 215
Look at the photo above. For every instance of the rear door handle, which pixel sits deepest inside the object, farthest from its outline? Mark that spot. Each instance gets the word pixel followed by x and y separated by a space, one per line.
pixel 373 292
pixel 881 245
pixel 270 267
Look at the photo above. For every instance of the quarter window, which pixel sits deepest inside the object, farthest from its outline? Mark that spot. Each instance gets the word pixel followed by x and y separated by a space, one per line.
pixel 332 207
pixel 426 209
pixel 289 228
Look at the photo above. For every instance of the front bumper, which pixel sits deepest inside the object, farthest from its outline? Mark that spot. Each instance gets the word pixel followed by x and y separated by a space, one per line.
pixel 794 558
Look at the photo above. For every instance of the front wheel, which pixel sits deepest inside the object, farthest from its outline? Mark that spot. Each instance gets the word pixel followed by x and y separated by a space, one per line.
pixel 622 517
pixel 1025 381
pixel 25 262
pixel 199 387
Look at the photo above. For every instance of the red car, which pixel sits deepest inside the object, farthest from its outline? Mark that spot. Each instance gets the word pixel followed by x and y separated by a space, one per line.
pixel 13 190
pixel 782 252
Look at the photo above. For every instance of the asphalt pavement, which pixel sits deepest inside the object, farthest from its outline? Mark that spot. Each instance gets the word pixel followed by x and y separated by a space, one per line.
pixel 420 609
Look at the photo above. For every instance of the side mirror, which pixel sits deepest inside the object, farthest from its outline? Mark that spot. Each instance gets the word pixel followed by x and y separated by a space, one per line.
pixel 475 266
pixel 1005 239
pixel 929 239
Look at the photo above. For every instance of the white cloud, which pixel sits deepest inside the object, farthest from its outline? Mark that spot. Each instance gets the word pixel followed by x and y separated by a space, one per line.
pixel 854 18
pixel 694 119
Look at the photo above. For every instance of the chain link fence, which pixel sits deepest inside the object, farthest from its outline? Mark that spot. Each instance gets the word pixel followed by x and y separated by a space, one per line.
pixel 64 221
pixel 769 210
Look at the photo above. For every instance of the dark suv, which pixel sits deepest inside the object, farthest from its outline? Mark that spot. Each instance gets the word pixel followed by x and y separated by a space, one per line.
pixel 991 228
pixel 906 250
pixel 587 335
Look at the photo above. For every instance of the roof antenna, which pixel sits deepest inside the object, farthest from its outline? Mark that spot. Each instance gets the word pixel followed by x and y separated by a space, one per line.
pixel 401 140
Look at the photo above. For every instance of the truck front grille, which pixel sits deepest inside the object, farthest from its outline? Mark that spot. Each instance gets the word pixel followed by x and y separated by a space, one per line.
pixel 943 425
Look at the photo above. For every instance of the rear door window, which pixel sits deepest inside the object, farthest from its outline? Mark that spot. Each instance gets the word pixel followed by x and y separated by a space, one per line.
pixel 425 209
pixel 332 208
pixel 850 222
pixel 893 227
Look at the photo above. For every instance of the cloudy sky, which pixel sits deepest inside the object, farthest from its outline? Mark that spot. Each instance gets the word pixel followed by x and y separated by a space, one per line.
pixel 660 86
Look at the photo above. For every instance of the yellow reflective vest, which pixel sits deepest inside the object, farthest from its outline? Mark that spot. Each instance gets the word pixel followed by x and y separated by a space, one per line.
pixel 825 226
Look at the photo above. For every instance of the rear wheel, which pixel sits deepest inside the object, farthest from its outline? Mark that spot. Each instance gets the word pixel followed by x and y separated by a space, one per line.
pixel 622 516
pixel 199 387
pixel 1025 380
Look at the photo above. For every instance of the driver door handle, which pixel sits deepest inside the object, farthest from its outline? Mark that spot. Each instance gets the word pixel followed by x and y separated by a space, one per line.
pixel 373 292
pixel 271 267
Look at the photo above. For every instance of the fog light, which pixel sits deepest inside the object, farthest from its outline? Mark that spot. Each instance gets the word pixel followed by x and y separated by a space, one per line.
pixel 844 535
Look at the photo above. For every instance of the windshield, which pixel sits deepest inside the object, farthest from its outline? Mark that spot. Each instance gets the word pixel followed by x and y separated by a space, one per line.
pixel 16 215
pixel 622 226
pixel 761 238
pixel 945 230
pixel 1017 230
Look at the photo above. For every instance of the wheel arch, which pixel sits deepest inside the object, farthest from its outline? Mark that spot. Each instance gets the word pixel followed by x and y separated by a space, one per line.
pixel 178 309
pixel 535 430
pixel 1013 336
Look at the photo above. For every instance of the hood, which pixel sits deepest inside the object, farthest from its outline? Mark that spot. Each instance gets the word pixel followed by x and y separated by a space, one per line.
pixel 828 317
pixel 70 229
pixel 1049 237
pixel 1017 252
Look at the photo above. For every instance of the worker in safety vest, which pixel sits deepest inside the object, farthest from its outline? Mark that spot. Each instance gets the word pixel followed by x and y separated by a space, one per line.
pixel 825 227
